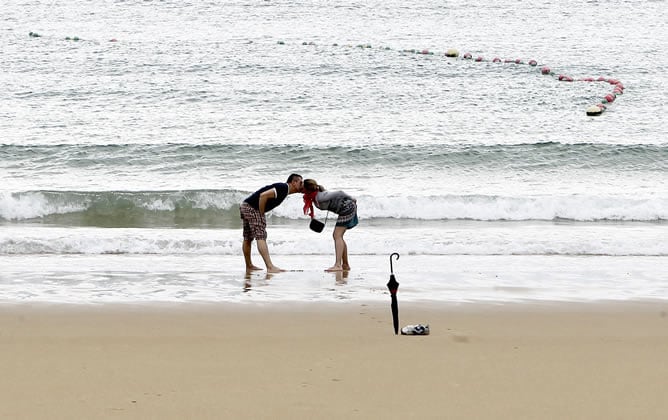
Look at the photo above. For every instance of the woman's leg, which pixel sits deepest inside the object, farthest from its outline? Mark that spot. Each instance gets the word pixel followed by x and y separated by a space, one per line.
pixel 345 265
pixel 339 246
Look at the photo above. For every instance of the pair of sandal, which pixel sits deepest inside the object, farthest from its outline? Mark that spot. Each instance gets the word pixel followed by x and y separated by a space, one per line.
pixel 418 329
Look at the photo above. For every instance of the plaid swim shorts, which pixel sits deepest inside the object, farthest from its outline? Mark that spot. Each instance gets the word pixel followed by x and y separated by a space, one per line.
pixel 254 222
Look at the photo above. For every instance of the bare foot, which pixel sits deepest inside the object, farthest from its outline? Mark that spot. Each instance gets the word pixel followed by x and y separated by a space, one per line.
pixel 334 268
pixel 346 267
pixel 252 268
pixel 275 269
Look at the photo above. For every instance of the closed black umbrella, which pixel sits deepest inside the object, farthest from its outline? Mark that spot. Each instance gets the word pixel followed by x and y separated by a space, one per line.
pixel 393 285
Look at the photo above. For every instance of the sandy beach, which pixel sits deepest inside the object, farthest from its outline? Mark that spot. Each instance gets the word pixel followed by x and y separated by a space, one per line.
pixel 531 230
pixel 552 361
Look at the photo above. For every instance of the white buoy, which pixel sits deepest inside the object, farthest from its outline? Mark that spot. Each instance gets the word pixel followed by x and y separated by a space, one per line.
pixel 452 53
pixel 594 110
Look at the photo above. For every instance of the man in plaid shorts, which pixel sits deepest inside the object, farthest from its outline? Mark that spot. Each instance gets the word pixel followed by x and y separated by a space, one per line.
pixel 252 211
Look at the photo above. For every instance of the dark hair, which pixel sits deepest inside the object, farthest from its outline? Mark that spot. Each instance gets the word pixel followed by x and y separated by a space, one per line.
pixel 292 177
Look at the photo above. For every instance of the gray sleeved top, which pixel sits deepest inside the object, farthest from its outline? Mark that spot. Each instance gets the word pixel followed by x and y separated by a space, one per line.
pixel 331 200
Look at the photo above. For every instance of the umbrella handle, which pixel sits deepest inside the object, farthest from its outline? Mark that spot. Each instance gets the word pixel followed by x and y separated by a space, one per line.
pixel 392 255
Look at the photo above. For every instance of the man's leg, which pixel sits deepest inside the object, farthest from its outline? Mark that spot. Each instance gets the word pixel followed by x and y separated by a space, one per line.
pixel 246 218
pixel 247 256
pixel 263 249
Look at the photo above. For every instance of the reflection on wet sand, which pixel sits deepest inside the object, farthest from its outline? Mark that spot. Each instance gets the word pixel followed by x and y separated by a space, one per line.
pixel 249 276
pixel 341 277
pixel 255 279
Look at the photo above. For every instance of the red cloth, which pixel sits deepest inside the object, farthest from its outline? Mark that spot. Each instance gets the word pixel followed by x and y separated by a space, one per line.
pixel 309 198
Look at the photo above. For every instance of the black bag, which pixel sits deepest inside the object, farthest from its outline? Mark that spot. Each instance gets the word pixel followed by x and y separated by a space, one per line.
pixel 316 225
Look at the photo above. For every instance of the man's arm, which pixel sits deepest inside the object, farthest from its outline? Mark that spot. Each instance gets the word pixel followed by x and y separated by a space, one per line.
pixel 264 197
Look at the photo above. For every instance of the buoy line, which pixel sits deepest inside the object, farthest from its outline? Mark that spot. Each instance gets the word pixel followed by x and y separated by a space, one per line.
pixel 593 110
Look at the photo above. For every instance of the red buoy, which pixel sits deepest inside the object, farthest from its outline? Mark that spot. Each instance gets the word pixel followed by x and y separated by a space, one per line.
pixel 479 58
pixel 545 70
pixel 533 63
pixel 496 60
pixel 468 56
pixel 565 78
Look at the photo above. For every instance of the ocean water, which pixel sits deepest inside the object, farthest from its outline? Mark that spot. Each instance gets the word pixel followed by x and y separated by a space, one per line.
pixel 130 132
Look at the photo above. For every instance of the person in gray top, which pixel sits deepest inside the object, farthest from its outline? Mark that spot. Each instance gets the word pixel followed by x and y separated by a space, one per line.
pixel 337 202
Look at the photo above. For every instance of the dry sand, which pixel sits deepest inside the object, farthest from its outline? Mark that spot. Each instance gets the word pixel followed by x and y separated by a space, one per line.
pixel 296 361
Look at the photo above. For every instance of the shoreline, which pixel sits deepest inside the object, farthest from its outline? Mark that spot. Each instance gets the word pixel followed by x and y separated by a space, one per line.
pixel 173 361
pixel 291 305
pixel 212 278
